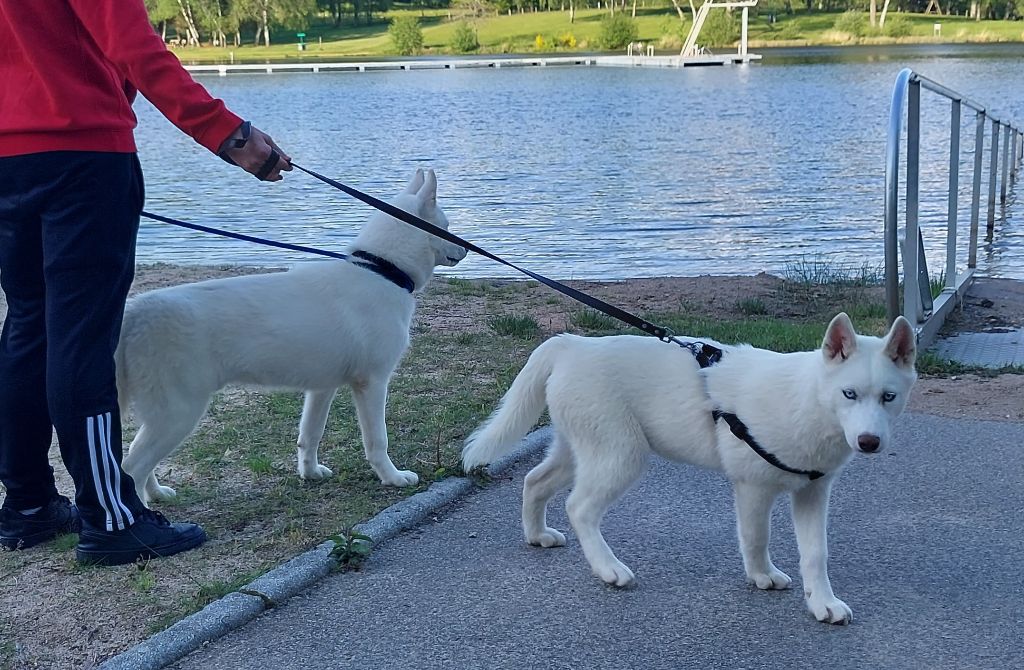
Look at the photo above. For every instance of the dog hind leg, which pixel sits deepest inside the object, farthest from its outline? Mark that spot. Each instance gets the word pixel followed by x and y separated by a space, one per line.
pixel 753 519
pixel 554 473
pixel 370 399
pixel 602 476
pixel 311 430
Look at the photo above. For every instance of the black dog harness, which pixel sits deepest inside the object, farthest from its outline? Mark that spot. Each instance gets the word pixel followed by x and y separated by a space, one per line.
pixel 706 356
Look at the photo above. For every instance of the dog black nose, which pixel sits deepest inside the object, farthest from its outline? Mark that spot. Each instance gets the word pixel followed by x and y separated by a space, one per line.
pixel 868 443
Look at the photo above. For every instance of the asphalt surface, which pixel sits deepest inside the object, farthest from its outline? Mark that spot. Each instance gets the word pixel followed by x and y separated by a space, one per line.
pixel 926 547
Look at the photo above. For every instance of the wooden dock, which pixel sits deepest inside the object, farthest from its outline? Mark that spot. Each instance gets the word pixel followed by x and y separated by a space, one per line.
pixel 467 63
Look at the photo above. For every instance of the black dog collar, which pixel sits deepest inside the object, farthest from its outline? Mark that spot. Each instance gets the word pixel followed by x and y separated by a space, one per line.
pixel 384 268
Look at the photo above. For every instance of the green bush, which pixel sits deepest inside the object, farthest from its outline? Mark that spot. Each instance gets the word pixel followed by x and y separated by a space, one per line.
pixel 719 29
pixel 852 22
pixel 464 39
pixel 406 35
pixel 617 31
pixel 896 26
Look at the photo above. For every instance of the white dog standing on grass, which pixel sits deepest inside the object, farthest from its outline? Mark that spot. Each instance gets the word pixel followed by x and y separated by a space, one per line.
pixel 615 400
pixel 315 328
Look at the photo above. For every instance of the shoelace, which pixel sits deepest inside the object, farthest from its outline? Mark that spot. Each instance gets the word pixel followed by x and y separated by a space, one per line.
pixel 154 516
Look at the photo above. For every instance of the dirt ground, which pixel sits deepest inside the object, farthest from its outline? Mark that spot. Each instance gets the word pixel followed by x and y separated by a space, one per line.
pixel 38 615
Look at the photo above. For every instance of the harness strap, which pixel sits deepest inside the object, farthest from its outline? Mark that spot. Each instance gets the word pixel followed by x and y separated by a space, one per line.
pixel 384 268
pixel 740 430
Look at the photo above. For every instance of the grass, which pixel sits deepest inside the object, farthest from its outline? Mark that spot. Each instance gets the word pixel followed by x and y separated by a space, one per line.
pixel 523 327
pixel 518 33
pixel 594 322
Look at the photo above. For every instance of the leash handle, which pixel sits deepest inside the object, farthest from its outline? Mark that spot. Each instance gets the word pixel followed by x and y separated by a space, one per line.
pixel 660 332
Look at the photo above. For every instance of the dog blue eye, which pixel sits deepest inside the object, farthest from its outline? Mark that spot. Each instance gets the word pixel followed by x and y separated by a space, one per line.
pixel 888 396
pixel 850 394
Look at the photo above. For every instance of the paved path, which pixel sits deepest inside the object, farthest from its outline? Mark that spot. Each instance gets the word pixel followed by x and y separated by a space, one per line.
pixel 926 548
pixel 1000 303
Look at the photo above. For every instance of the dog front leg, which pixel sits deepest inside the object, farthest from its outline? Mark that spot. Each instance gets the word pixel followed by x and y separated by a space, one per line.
pixel 311 431
pixel 810 519
pixel 371 398
pixel 753 520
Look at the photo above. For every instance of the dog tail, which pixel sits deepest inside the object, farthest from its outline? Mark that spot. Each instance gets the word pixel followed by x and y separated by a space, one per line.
pixel 517 412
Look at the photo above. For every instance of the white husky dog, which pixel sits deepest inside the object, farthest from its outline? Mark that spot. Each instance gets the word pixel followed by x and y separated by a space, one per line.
pixel 315 328
pixel 615 400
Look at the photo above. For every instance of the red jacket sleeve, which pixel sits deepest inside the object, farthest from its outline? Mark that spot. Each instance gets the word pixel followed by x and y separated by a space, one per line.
pixel 122 31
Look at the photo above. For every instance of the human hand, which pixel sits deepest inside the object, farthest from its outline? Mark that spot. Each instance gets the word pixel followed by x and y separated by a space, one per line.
pixel 255 152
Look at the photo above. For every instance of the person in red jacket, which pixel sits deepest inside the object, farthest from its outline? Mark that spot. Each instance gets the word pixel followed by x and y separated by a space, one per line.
pixel 71 191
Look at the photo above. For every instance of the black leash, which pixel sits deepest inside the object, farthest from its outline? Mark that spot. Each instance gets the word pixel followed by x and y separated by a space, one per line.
pixel 705 354
pixel 740 430
pixel 662 333
pixel 383 267
pixel 240 236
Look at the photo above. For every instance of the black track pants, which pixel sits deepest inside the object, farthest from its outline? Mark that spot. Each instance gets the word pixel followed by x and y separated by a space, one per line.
pixel 68 222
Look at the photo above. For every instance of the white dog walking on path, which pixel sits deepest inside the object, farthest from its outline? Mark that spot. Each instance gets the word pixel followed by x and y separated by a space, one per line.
pixel 315 328
pixel 771 422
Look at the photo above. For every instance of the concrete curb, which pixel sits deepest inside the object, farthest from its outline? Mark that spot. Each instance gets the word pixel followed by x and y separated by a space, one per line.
pixel 239 608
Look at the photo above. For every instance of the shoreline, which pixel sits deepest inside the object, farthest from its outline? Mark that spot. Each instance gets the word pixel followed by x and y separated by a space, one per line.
pixel 769 46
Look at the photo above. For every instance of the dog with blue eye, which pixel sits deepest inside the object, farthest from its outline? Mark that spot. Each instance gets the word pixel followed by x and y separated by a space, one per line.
pixel 772 422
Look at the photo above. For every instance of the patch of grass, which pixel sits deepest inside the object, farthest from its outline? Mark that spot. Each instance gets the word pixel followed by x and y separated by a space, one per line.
pixel 205 594
pixel 820 271
pixel 766 333
pixel 466 287
pixel 752 307
pixel 142 580
pixel 260 464
pixel 64 543
pixel 930 364
pixel 522 327
pixel 593 322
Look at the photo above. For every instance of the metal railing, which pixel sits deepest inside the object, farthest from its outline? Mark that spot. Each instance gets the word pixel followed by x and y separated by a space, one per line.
pixel 923 312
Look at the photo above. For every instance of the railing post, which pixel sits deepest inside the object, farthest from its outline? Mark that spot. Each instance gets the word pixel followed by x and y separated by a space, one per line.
pixel 993 172
pixel 1015 161
pixel 954 188
pixel 979 154
pixel 1006 163
pixel 892 199
pixel 911 286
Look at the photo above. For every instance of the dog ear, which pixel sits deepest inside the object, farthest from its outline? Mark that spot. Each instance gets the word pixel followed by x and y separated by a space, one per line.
pixel 840 339
pixel 428 192
pixel 901 343
pixel 416 183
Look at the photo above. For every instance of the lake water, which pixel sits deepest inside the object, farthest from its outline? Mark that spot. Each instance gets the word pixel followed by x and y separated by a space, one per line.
pixel 585 172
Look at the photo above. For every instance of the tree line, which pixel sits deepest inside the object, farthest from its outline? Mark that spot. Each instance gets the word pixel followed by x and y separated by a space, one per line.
pixel 224 22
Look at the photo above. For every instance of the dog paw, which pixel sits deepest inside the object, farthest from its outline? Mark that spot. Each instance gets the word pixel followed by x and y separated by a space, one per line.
pixel 773 579
pixel 549 537
pixel 317 471
pixel 615 574
pixel 401 478
pixel 830 610
pixel 160 492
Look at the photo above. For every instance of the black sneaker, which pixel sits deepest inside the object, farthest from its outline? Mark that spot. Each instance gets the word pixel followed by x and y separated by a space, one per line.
pixel 151 536
pixel 21 531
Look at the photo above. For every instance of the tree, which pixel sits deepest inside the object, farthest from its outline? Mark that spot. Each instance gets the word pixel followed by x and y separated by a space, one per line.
pixel 617 30
pixel 267 13
pixel 406 35
pixel 161 11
